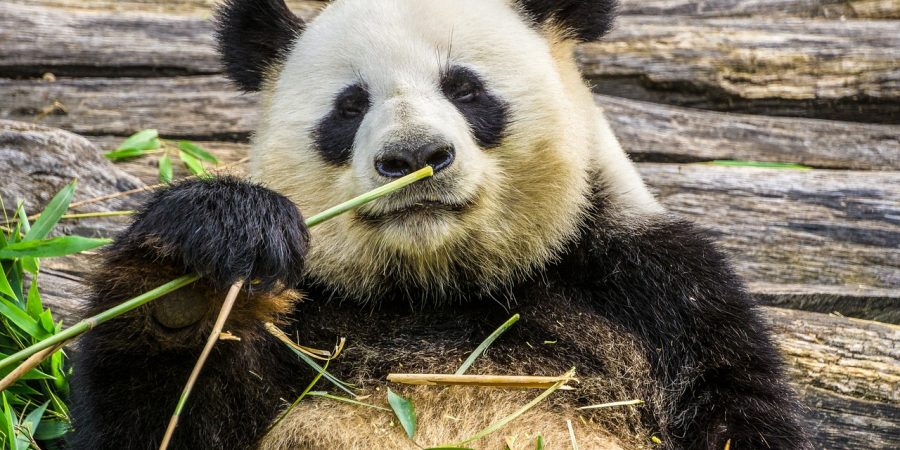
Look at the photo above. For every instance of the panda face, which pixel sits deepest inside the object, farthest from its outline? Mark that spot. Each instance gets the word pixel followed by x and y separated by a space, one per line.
pixel 371 91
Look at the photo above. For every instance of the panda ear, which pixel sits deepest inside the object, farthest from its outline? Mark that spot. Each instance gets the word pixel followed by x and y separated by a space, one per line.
pixel 586 20
pixel 253 35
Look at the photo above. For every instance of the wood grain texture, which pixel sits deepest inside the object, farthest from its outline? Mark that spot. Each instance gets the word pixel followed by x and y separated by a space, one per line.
pixel 862 302
pixel 817 227
pixel 196 8
pixel 210 108
pixel 831 69
pixel 873 9
pixel 193 107
pixel 660 133
pixel 37 162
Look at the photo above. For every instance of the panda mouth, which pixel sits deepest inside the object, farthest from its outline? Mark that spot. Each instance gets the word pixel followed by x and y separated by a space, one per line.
pixel 421 208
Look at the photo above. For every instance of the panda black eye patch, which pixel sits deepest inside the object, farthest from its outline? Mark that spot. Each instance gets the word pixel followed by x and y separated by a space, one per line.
pixel 486 114
pixel 334 134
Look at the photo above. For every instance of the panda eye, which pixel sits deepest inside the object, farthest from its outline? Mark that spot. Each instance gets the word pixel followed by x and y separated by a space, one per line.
pixel 351 111
pixel 353 103
pixel 466 93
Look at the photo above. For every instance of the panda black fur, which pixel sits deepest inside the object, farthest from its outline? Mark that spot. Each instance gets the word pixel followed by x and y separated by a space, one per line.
pixel 536 211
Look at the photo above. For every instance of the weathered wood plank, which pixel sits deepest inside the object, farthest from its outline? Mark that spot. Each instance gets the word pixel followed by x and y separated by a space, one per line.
pixel 881 305
pixel 817 227
pixel 195 107
pixel 844 70
pixel 808 68
pixel 36 162
pixel 837 422
pixel 197 8
pixel 872 9
pixel 210 108
pixel 660 133
pixel 847 373
pixel 850 357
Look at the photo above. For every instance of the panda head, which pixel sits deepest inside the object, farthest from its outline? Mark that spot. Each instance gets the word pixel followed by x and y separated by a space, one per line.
pixel 484 91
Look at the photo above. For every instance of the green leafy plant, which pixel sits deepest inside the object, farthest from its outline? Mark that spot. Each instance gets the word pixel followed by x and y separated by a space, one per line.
pixel 148 142
pixel 34 413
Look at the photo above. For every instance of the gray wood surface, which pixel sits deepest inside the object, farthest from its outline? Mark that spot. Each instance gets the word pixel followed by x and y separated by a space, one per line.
pixel 833 69
pixel 661 133
pixel 875 9
pixel 210 108
pixel 36 162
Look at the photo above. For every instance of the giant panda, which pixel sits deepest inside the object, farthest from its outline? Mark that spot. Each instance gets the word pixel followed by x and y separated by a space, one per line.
pixel 533 209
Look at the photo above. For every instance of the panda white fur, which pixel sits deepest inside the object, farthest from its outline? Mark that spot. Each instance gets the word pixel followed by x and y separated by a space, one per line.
pixel 534 209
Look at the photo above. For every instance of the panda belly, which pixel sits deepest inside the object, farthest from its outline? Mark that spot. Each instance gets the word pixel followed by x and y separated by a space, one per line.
pixel 551 338
pixel 445 415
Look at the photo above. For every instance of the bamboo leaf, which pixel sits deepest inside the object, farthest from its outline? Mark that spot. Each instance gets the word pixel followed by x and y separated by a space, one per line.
pixel 21 319
pixel 140 140
pixel 127 153
pixel 52 213
pixel 7 424
pixel 49 430
pixel 165 169
pixel 48 248
pixel 33 419
pixel 197 151
pixel 405 412
pixel 33 303
pixel 193 164
pixel 5 287
pixel 487 343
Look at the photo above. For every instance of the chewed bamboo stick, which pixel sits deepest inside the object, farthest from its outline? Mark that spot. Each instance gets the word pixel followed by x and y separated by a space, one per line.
pixel 498 381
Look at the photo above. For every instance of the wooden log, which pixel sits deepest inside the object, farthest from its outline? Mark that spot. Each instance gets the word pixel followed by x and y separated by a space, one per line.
pixel 197 8
pixel 658 133
pixel 844 70
pixel 210 108
pixel 847 373
pixel 198 107
pixel 881 305
pixel 871 9
pixel 808 68
pixel 817 227
pixel 35 39
pixel 36 162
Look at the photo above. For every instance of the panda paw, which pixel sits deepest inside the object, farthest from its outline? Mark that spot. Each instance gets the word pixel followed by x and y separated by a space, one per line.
pixel 223 229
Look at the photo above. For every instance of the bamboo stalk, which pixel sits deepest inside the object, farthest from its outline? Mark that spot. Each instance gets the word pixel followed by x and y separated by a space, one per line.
pixel 30 363
pixel 91 322
pixel 498 381
pixel 207 349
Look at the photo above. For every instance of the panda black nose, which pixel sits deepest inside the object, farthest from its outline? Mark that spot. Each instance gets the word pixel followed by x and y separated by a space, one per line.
pixel 402 160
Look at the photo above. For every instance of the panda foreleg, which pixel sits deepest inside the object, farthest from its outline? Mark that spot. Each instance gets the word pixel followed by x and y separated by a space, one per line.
pixel 719 373
pixel 128 373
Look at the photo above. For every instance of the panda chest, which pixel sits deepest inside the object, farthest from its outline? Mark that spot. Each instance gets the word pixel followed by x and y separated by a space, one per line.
pixel 549 340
